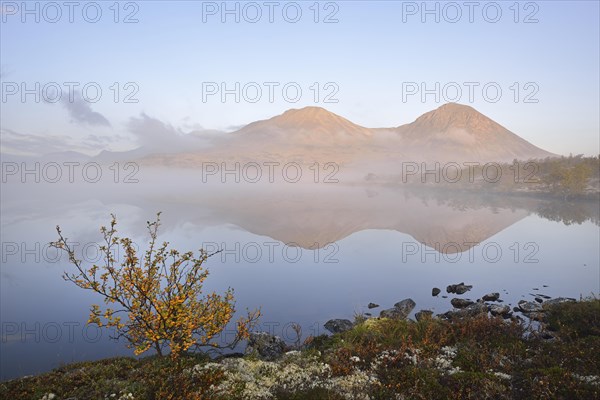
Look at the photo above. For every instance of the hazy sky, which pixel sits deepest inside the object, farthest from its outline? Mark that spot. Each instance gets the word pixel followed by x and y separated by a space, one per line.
pixel 373 57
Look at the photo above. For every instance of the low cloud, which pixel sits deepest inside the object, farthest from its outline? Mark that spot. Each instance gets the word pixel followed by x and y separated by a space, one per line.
pixel 32 145
pixel 81 111
pixel 155 135
pixel 27 144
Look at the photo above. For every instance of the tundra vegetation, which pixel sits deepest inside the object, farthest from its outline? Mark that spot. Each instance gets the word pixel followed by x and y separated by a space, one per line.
pixel 479 357
pixel 567 178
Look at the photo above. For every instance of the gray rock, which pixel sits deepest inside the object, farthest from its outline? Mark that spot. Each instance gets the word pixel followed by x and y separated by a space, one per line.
pixel 423 314
pixel 405 306
pixel 470 311
pixel 503 311
pixel 265 345
pixel 435 291
pixel 539 300
pixel 459 288
pixel 528 307
pixel 491 297
pixel 338 325
pixel 372 305
pixel 460 303
pixel 401 310
pixel 560 300
pixel 392 313
pixel 476 308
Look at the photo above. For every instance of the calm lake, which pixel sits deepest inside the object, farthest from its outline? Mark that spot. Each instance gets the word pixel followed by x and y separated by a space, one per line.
pixel 303 253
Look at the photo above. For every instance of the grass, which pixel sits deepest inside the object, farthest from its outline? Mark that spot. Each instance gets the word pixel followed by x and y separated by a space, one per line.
pixel 477 358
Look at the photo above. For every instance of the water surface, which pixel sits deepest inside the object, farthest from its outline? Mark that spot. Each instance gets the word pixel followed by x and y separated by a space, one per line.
pixel 304 253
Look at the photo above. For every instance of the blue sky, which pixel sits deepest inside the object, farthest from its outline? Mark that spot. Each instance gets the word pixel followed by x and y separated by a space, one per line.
pixel 366 61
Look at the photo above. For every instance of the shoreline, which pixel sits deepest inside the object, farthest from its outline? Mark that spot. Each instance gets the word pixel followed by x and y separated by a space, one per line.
pixel 371 359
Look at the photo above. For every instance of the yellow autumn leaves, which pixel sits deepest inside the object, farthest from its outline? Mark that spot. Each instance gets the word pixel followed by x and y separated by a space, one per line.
pixel 160 293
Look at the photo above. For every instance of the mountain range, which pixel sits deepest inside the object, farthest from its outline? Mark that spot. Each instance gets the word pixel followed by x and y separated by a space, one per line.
pixel 452 132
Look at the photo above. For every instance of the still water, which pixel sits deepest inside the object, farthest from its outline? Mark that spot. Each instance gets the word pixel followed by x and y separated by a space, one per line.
pixel 303 253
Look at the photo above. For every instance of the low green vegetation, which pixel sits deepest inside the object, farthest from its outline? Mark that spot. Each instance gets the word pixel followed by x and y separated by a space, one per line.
pixel 566 178
pixel 474 358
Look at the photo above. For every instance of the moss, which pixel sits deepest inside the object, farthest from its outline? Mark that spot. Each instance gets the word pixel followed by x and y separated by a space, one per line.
pixel 553 382
pixel 313 394
pixel 477 385
pixel 575 319
pixel 322 342
pixel 413 382
pixel 95 379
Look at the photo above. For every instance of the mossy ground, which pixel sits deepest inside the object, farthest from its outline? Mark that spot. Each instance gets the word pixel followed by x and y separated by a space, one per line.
pixel 476 358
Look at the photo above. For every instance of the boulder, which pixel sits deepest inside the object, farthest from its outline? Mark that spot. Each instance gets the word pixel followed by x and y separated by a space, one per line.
pixel 372 305
pixel 405 306
pixel 391 313
pixel 401 310
pixel 338 325
pixel 527 307
pixel 503 311
pixel 470 311
pixel 491 297
pixel 559 300
pixel 460 303
pixel 435 291
pixel 459 288
pixel 265 345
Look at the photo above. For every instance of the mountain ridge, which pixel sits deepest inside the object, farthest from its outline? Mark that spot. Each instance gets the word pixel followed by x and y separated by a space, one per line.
pixel 309 121
pixel 450 132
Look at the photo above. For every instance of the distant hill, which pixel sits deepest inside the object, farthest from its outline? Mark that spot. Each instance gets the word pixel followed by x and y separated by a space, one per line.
pixel 310 126
pixel 452 132
pixel 458 132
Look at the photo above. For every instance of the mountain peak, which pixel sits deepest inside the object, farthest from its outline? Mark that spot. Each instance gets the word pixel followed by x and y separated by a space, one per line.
pixel 310 116
pixel 453 107
pixel 309 121
pixel 308 110
pixel 457 116
pixel 459 129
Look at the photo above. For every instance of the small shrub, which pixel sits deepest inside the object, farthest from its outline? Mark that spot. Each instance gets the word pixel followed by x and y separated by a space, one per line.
pixel 160 294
